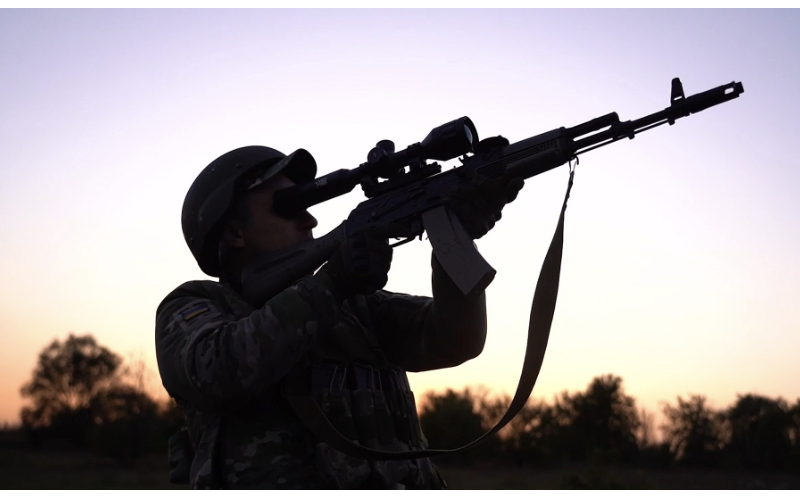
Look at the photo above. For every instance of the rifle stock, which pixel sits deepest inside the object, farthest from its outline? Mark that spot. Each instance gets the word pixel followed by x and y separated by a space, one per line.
pixel 271 273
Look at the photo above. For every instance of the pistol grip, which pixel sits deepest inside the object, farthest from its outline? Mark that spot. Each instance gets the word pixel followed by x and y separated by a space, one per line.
pixel 456 252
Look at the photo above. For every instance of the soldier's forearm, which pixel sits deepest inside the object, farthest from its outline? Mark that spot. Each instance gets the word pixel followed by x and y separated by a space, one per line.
pixel 460 321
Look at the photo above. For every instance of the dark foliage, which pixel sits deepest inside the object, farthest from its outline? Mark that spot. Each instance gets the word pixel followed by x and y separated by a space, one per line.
pixel 66 378
pixel 695 432
pixel 452 420
pixel 126 422
pixel 81 400
pixel 601 422
pixel 760 432
pixel 534 437
pixel 794 434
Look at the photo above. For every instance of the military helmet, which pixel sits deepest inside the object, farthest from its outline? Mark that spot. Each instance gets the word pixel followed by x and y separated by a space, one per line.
pixel 217 187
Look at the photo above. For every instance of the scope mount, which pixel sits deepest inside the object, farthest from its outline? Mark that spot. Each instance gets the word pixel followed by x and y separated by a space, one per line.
pixel 379 165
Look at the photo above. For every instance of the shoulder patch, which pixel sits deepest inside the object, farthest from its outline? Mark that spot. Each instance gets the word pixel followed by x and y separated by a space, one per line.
pixel 192 312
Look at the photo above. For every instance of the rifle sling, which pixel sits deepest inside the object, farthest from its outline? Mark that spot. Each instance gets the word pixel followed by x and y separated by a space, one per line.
pixel 541 319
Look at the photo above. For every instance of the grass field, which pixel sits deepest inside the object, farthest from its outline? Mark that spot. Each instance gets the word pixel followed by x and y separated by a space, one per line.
pixel 27 469
pixel 592 477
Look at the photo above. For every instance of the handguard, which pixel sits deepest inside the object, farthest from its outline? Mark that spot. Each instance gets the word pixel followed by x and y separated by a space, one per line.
pixel 456 251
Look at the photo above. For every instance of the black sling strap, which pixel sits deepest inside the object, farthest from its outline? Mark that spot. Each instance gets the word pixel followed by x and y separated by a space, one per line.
pixel 541 319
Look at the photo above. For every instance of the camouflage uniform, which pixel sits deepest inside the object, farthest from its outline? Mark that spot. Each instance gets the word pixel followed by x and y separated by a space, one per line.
pixel 224 360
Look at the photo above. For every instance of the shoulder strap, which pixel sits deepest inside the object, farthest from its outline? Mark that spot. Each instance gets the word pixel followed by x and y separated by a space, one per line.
pixel 541 319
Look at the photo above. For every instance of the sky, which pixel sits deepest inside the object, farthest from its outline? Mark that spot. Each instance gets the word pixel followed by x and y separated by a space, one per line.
pixel 680 271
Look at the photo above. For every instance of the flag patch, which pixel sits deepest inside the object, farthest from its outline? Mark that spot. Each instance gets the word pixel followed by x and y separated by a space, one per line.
pixel 192 312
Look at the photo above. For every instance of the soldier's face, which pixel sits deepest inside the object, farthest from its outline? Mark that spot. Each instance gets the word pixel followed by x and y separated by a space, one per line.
pixel 264 231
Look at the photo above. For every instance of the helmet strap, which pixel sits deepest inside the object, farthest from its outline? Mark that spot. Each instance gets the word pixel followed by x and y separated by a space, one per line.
pixel 225 273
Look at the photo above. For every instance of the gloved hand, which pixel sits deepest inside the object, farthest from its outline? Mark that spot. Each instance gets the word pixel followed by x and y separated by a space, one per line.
pixel 361 263
pixel 479 204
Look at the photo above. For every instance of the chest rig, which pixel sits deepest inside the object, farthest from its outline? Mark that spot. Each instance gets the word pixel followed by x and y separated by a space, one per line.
pixel 364 397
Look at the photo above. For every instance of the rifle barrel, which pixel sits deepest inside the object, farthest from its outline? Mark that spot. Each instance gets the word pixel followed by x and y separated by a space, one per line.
pixel 680 107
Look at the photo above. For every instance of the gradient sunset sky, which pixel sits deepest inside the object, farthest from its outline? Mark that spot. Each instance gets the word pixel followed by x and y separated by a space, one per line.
pixel 681 269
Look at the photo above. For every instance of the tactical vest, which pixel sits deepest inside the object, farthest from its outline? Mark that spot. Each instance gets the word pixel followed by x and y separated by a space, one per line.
pixel 366 398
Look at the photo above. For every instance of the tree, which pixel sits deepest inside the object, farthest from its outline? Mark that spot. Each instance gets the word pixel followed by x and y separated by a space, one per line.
pixel 84 394
pixel 695 432
pixel 651 451
pixel 759 431
pixel 67 377
pixel 794 433
pixel 533 437
pixel 451 420
pixel 603 420
pixel 646 431
pixel 126 422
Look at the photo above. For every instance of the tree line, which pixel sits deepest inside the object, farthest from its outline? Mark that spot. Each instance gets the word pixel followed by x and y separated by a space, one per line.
pixel 82 396
pixel 603 424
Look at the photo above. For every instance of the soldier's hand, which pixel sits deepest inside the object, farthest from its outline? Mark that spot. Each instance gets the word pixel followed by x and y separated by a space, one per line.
pixel 361 263
pixel 479 204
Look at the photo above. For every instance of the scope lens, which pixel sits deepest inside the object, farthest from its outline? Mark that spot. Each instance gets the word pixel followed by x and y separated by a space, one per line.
pixel 469 134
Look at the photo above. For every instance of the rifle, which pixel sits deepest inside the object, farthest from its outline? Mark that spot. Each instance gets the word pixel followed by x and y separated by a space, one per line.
pixel 413 191
pixel 412 196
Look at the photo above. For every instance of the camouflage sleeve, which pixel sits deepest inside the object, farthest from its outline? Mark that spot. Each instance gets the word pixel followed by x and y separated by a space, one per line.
pixel 210 359
pixel 421 333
